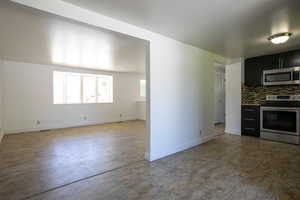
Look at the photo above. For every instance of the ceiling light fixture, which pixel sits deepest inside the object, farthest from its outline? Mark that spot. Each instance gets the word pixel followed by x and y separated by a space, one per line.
pixel 280 37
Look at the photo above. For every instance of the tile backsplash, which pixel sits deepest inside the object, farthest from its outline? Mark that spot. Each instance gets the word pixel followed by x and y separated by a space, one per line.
pixel 257 95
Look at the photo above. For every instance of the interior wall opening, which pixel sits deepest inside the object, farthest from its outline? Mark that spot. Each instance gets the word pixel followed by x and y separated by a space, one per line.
pixel 76 100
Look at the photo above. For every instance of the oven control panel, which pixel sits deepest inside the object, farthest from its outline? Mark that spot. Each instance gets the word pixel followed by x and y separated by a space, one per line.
pixel 283 97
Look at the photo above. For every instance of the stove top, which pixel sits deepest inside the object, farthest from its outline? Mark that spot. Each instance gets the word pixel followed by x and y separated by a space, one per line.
pixel 282 101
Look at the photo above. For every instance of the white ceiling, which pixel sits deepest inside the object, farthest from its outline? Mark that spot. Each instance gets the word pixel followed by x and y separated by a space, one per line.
pixel 232 28
pixel 29 35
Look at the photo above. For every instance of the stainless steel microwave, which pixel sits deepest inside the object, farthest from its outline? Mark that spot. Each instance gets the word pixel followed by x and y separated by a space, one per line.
pixel 282 76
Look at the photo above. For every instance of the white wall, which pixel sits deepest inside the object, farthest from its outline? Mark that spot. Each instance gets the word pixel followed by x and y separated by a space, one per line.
pixel 141 101
pixel 1 106
pixel 233 76
pixel 243 71
pixel 141 110
pixel 28 97
pixel 180 82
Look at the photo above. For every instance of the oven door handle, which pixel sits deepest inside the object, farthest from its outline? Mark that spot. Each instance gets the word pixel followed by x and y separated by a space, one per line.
pixel 293 109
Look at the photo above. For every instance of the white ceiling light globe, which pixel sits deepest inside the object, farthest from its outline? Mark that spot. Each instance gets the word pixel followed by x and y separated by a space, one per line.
pixel 280 38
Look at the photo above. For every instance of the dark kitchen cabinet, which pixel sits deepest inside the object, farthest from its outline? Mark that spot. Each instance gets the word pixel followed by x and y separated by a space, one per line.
pixel 289 59
pixel 254 68
pixel 251 120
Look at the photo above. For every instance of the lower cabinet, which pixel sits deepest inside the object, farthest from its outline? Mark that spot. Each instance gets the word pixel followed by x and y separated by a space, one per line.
pixel 251 120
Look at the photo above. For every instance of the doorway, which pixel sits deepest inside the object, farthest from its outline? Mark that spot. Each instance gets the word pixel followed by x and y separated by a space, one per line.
pixel 219 96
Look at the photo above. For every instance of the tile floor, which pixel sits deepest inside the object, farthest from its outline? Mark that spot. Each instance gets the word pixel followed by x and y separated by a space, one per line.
pixel 227 168
pixel 31 163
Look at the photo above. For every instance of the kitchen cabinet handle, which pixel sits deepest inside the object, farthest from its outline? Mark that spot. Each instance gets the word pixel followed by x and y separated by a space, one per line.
pixel 248 119
pixel 252 129
pixel 280 63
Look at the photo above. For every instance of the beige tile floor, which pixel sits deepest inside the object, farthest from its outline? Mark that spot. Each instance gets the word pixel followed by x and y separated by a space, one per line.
pixel 31 163
pixel 220 128
pixel 228 167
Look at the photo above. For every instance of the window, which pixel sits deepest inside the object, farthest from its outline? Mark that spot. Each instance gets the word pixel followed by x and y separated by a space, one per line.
pixel 76 88
pixel 104 89
pixel 89 89
pixel 143 88
pixel 73 84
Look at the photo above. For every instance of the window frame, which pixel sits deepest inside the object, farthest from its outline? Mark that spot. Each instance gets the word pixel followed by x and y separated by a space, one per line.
pixel 144 83
pixel 109 77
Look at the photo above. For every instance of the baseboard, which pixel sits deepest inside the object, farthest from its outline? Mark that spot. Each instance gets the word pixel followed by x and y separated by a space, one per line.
pixel 233 132
pixel 147 156
pixel 60 126
pixel 182 147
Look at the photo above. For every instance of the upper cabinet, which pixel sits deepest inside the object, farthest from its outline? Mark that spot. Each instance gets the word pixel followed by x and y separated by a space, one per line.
pixel 254 67
pixel 289 59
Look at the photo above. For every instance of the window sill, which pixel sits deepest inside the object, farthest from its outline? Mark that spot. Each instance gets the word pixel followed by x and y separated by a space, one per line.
pixel 141 101
pixel 81 103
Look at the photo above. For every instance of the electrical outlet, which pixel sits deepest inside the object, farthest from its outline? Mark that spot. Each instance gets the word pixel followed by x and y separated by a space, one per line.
pixel 121 116
pixel 83 118
pixel 38 122
pixel 200 132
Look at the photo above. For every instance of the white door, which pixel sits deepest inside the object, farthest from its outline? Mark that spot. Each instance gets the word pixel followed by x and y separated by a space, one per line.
pixel 220 96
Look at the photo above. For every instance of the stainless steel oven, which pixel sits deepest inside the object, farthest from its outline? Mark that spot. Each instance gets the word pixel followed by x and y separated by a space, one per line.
pixel 282 76
pixel 280 124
